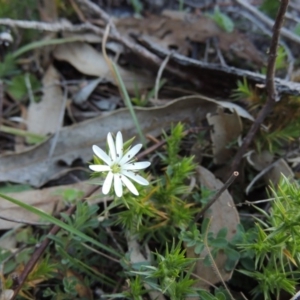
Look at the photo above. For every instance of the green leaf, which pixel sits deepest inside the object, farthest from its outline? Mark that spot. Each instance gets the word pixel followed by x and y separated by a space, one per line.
pixel 8 66
pixel 199 248
pixel 18 87
pixel 222 20
pixel 219 243
pixel 232 254
pixel 222 233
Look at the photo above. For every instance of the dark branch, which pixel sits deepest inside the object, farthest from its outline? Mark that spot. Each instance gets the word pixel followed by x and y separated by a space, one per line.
pixel 270 86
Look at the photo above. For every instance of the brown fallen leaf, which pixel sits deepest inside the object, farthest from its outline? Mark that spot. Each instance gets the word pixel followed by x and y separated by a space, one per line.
pixel 46 199
pixel 89 61
pixel 222 214
pixel 226 129
pixel 280 168
pixel 270 171
pixel 75 142
pixel 176 28
pixel 48 110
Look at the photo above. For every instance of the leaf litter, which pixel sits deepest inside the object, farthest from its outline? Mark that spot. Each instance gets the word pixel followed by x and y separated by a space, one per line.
pixel 206 58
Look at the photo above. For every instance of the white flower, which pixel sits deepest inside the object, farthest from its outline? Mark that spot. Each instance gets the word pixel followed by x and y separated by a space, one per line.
pixel 120 166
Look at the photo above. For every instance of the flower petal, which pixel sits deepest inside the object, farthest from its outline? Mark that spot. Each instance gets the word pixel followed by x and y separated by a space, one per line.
pixel 137 178
pixel 111 146
pixel 102 155
pixel 136 165
pixel 118 185
pixel 107 183
pixel 129 185
pixel 119 145
pixel 99 168
pixel 130 154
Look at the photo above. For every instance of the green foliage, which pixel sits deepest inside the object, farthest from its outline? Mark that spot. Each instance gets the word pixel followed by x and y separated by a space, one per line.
pixel 142 100
pixel 8 66
pixel 22 85
pixel 137 6
pixel 193 238
pixel 281 60
pixel 70 196
pixel 222 20
pixel 277 243
pixel 245 92
pixel 274 139
pixel 270 7
pixel 170 273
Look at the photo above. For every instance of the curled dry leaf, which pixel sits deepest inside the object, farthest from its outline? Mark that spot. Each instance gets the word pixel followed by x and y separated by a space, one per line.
pixel 222 214
pixel 270 171
pixel 89 61
pixel 48 110
pixel 226 129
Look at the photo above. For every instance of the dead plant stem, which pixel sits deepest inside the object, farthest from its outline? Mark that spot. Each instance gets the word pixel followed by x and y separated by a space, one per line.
pixel 270 86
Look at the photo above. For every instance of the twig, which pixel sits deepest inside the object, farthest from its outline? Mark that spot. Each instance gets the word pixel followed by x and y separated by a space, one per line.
pixel 270 86
pixel 159 74
pixel 42 247
pixel 284 31
pixel 264 29
pixel 217 195
pixel 52 27
pixel 152 59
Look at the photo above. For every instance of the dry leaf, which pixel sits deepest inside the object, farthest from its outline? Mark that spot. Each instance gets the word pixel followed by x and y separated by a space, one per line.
pixel 91 62
pixel 226 129
pixel 279 169
pixel 75 142
pixel 222 214
pixel 6 294
pixel 175 29
pixel 47 111
pixel 270 172
pixel 46 199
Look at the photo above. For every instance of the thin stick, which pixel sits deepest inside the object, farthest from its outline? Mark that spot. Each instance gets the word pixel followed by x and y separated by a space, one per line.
pixel 268 21
pixel 159 74
pixel 51 27
pixel 217 195
pixel 270 86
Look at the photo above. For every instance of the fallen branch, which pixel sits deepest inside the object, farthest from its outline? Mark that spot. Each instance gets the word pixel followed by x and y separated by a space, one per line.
pixel 51 27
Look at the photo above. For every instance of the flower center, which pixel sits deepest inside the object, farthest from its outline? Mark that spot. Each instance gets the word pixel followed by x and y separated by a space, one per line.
pixel 115 168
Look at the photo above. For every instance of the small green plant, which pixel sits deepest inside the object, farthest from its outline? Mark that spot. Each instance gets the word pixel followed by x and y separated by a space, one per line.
pixel 222 20
pixel 270 7
pixel 137 6
pixel 277 243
